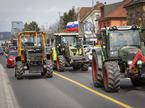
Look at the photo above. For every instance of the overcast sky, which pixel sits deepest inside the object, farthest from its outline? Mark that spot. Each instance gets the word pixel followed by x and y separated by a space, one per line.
pixel 45 12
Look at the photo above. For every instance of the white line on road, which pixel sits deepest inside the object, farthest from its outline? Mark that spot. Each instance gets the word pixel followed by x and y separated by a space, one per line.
pixel 7 99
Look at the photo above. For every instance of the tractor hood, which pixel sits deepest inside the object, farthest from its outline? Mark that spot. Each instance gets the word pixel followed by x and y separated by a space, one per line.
pixel 128 52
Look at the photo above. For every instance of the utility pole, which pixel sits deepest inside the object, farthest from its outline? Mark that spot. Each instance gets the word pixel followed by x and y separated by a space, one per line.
pixel 92 3
pixel 59 22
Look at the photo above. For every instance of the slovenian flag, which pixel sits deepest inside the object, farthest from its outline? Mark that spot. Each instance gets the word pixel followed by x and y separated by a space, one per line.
pixel 72 26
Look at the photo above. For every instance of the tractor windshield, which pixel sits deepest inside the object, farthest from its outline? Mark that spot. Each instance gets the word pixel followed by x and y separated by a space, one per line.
pixel 32 40
pixel 70 40
pixel 119 39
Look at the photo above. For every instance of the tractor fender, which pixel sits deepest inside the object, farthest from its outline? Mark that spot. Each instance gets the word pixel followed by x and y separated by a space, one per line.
pixel 99 55
pixel 54 54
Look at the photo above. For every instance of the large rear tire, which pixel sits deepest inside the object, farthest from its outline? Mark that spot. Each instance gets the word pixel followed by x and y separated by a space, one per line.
pixel 96 74
pixel 60 63
pixel 111 76
pixel 48 71
pixel 19 70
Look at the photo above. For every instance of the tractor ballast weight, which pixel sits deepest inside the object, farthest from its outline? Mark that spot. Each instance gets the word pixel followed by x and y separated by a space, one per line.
pixel 32 55
pixel 68 52
pixel 121 54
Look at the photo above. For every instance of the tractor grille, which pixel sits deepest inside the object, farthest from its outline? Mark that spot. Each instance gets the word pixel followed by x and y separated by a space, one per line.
pixel 35 54
pixel 35 57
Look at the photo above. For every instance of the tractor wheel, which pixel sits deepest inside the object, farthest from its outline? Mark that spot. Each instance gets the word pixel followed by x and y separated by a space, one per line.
pixel 136 81
pixel 54 66
pixel 60 63
pixel 48 72
pixel 19 71
pixel 85 67
pixel 96 74
pixel 111 76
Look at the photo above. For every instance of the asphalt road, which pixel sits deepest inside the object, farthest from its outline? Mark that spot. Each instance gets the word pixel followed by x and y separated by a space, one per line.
pixel 71 89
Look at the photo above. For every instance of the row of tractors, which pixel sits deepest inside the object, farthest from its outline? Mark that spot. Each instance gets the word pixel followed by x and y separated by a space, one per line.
pixel 120 54
pixel 35 56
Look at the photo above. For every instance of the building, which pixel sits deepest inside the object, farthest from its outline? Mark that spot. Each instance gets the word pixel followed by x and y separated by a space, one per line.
pixel 136 12
pixel 88 24
pixel 17 26
pixel 113 14
pixel 81 13
pixel 5 35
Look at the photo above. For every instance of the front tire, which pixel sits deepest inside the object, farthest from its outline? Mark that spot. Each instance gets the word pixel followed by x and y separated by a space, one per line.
pixel 111 76
pixel 19 71
pixel 60 63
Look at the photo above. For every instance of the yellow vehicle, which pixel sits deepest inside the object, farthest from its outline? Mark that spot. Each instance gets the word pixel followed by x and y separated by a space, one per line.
pixel 68 52
pixel 32 55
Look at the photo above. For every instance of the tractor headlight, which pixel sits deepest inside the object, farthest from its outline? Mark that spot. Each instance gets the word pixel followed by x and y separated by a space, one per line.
pixel 129 62
pixel 113 53
pixel 139 62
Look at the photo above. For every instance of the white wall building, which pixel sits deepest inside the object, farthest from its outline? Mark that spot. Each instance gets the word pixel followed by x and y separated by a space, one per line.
pixel 91 26
pixel 88 16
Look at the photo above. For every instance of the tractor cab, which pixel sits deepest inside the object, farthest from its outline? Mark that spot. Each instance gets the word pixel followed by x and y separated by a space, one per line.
pixel 121 54
pixel 68 51
pixel 116 39
pixel 32 56
pixel 69 42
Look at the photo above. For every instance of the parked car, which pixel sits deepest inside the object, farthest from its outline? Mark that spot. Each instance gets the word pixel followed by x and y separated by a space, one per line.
pixel 88 51
pixel 11 58
pixel 87 47
pixel 12 48
pixel 1 51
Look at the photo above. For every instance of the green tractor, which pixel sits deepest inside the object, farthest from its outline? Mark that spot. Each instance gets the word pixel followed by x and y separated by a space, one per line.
pixel 68 52
pixel 121 55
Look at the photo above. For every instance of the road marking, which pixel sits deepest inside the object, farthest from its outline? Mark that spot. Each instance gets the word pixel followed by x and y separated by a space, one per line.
pixel 94 91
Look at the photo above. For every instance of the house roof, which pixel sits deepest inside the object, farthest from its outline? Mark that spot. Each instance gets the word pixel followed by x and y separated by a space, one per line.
pixel 115 10
pixel 134 2
pixel 83 11
pixel 110 7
